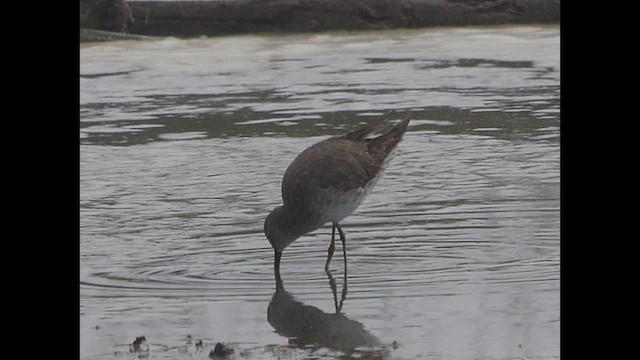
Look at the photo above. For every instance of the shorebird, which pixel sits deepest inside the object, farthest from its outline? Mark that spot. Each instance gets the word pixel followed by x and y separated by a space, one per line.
pixel 327 181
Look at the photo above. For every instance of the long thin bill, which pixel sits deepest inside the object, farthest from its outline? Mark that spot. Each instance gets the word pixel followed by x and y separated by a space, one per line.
pixel 276 264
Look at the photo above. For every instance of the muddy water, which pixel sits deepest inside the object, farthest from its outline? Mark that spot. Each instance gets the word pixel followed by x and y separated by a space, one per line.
pixel 454 255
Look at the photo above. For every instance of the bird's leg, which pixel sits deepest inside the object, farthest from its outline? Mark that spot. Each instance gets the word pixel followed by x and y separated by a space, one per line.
pixel 344 246
pixel 334 290
pixel 344 291
pixel 332 247
pixel 332 282
pixel 344 253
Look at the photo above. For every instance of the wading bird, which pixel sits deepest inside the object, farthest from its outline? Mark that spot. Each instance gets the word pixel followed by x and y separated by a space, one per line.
pixel 326 183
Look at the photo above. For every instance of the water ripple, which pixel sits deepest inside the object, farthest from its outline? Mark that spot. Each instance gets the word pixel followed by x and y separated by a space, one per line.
pixel 455 254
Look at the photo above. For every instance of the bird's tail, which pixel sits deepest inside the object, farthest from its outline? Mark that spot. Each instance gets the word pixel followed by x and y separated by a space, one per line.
pixel 373 127
pixel 381 146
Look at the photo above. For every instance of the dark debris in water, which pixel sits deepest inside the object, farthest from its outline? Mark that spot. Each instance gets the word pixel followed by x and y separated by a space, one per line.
pixel 225 351
pixel 138 344
pixel 221 351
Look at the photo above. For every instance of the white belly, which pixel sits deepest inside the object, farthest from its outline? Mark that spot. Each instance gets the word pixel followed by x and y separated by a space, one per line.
pixel 336 205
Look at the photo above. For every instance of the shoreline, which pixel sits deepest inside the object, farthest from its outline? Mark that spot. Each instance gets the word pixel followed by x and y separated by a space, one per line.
pixel 216 18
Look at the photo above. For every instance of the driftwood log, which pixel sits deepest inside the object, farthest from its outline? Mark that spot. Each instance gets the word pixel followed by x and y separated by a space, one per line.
pixel 210 18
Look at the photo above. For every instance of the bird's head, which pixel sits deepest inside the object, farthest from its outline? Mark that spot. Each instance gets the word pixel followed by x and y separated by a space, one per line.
pixel 275 229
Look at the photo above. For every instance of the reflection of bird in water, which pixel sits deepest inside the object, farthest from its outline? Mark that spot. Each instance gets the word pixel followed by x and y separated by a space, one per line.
pixel 307 325
pixel 326 183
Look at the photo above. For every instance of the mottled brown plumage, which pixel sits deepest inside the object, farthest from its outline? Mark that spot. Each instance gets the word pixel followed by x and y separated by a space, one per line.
pixel 327 181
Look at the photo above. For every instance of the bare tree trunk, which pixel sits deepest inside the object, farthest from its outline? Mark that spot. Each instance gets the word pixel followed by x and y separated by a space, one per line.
pixel 109 15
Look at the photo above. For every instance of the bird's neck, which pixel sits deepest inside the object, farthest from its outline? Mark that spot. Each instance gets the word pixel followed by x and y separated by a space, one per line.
pixel 296 222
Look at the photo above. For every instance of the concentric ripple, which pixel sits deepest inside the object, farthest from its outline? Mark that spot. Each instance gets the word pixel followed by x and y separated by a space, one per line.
pixel 454 254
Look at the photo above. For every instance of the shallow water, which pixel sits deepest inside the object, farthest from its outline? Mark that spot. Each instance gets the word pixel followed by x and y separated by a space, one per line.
pixel 454 255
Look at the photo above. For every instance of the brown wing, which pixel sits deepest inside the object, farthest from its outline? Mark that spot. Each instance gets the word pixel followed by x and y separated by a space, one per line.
pixel 343 163
pixel 333 163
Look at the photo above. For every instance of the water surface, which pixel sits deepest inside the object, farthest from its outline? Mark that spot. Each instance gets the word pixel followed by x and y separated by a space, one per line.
pixel 455 254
